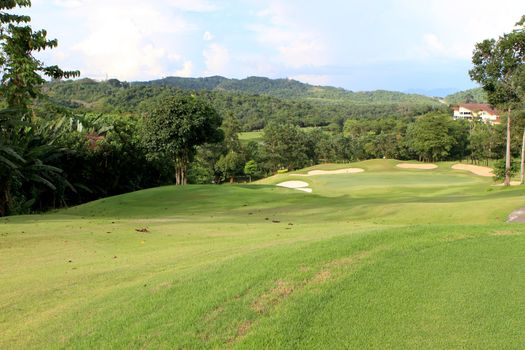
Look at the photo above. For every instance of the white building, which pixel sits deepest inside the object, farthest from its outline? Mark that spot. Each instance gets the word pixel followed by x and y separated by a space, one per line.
pixel 473 111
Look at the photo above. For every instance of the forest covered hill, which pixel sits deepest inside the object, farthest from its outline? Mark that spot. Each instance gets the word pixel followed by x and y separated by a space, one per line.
pixel 253 101
pixel 476 95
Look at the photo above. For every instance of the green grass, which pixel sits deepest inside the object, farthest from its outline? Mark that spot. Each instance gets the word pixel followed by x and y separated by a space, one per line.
pixel 248 136
pixel 385 259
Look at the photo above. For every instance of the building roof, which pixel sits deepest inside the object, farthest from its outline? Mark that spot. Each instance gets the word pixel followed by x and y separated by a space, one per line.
pixel 476 107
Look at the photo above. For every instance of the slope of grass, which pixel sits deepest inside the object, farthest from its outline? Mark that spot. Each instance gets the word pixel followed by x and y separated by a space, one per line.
pixel 388 258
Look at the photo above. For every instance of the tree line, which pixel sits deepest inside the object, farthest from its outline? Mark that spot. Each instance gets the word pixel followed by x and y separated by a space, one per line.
pixel 110 138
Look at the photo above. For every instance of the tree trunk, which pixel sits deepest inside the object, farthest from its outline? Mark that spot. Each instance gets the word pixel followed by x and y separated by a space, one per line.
pixel 522 169
pixel 181 170
pixel 507 153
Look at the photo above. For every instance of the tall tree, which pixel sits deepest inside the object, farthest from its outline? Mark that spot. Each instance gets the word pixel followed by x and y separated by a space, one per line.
pixel 20 82
pixel 178 124
pixel 497 66
pixel 432 137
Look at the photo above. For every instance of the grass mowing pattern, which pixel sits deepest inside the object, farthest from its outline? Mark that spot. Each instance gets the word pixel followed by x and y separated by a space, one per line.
pixel 389 258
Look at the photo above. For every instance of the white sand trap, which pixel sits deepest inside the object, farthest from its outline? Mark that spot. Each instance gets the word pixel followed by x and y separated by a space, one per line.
pixel 331 172
pixel 296 185
pixel 417 166
pixel 340 171
pixel 517 216
pixel 475 169
pixel 304 189
pixel 293 184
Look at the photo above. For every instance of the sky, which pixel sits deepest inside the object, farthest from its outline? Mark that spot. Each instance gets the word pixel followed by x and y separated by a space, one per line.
pixel 403 45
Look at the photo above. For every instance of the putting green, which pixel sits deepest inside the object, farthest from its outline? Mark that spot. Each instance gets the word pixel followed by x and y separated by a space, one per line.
pixel 387 258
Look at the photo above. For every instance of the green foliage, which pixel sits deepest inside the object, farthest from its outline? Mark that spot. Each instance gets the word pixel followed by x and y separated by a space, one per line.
pixel 21 72
pixel 500 171
pixel 251 168
pixel 177 125
pixel 497 64
pixel 252 111
pixel 286 147
pixel 477 95
pixel 432 137
pixel 25 172
pixel 230 165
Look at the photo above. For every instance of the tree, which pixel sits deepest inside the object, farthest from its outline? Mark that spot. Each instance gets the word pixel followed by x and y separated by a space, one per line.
pixel 22 160
pixel 498 65
pixel 230 165
pixel 176 125
pixel 251 169
pixel 431 137
pixel 285 146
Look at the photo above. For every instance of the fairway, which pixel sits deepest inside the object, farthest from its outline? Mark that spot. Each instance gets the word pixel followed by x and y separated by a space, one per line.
pixel 388 258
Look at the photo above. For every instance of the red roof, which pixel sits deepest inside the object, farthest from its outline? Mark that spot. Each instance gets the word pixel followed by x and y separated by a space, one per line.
pixel 476 107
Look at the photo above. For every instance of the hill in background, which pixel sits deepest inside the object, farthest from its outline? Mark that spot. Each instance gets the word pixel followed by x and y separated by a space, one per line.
pixel 468 96
pixel 254 101
pixel 288 89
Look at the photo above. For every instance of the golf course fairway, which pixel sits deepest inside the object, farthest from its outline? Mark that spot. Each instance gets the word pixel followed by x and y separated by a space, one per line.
pixel 387 258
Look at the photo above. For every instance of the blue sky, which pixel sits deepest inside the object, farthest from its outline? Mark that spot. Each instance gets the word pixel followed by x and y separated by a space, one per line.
pixel 404 45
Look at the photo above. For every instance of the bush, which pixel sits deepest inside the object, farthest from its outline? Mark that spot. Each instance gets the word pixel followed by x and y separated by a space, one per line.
pixel 499 169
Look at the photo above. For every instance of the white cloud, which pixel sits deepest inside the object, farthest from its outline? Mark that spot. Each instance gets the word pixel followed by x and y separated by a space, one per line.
pixel 297 45
pixel 459 25
pixel 68 3
pixel 186 70
pixel 217 59
pixel 128 42
pixel 193 5
pixel 207 36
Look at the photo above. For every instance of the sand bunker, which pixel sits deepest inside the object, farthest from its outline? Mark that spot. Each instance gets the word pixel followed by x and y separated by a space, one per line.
pixel 340 171
pixel 475 169
pixel 296 185
pixel 517 216
pixel 332 172
pixel 417 166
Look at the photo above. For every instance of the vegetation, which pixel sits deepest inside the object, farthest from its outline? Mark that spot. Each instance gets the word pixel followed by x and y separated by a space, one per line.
pixel 497 67
pixel 24 156
pixel 177 125
pixel 388 256
pixel 477 95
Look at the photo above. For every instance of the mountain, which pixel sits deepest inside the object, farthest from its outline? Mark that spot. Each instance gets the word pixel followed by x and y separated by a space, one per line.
pixel 438 92
pixel 253 101
pixel 468 96
pixel 288 89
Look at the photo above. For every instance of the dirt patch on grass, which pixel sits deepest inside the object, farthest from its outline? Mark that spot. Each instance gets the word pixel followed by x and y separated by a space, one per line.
pixel 417 166
pixel 475 169
pixel 321 277
pixel 273 297
pixel 505 233
pixel 244 328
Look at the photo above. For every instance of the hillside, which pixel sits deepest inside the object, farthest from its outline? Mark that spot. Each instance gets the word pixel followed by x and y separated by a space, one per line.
pixel 254 101
pixel 384 258
pixel 288 88
pixel 468 96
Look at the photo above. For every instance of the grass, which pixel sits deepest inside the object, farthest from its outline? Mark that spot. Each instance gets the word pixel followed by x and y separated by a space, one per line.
pixel 248 136
pixel 388 258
